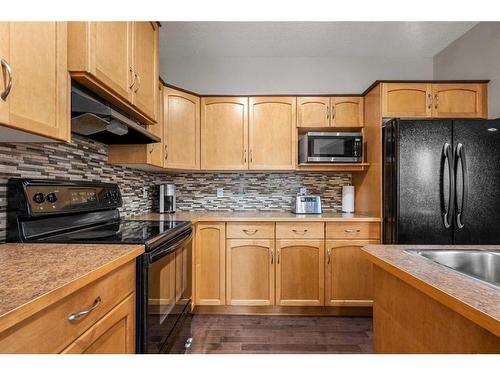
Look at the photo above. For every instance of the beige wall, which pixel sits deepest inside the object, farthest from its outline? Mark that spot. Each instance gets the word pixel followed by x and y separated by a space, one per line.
pixel 475 55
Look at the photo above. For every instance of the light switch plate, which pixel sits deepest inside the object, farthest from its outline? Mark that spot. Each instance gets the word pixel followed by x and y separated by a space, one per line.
pixel 144 192
pixel 220 192
pixel 303 191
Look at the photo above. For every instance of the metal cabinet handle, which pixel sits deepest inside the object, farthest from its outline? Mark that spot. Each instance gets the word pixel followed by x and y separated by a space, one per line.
pixel 188 343
pixel 166 152
pixel 328 255
pixel 299 231
pixel 333 112
pixel 429 106
pixel 83 313
pixel 251 156
pixel 436 101
pixel 138 81
pixel 250 231
pixel 7 89
pixel 278 256
pixel 245 155
pixel 132 75
pixel 327 113
pixel 352 230
pixel 151 149
pixel 272 255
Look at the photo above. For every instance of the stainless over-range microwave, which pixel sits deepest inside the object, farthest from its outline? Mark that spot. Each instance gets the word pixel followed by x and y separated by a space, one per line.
pixel 331 147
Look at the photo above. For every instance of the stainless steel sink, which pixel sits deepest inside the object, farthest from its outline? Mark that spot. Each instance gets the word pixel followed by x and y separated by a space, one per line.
pixel 483 265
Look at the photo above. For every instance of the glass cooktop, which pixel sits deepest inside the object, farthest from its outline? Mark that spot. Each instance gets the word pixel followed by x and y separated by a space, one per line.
pixel 124 231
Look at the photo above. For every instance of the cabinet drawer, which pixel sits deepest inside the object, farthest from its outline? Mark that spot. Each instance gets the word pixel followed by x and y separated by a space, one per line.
pixel 250 230
pixel 50 330
pixel 300 230
pixel 353 230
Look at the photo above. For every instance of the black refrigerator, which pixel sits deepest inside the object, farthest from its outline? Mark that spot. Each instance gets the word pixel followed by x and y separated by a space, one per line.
pixel 441 181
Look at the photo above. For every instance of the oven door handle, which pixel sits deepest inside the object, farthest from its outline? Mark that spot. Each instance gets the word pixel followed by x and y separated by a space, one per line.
pixel 163 251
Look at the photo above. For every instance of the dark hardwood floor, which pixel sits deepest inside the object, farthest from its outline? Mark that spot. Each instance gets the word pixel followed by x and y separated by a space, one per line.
pixel 242 334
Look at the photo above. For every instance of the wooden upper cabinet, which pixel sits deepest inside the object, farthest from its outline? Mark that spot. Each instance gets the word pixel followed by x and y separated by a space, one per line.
pixel 300 272
pixel 118 61
pixel 406 99
pixel 38 102
pixel 210 264
pixel 348 274
pixel 459 100
pixel 313 111
pixel 145 65
pixel 155 150
pixel 224 133
pixel 250 272
pixel 347 111
pixel 272 133
pixel 182 130
pixel 4 78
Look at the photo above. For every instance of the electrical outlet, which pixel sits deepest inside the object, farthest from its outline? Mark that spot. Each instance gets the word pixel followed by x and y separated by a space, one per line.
pixel 144 192
pixel 303 191
pixel 220 192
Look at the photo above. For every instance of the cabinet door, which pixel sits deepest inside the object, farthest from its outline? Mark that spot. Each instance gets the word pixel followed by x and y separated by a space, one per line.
pixel 155 150
pixel 4 55
pixel 210 262
pixel 250 272
pixel 224 133
pixel 406 100
pixel 39 98
pixel 111 56
pixel 145 65
pixel 300 270
pixel 113 334
pixel 348 273
pixel 459 100
pixel 272 133
pixel 182 129
pixel 313 111
pixel 347 112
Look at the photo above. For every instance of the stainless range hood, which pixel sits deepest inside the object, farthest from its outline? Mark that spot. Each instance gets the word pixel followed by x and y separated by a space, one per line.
pixel 93 118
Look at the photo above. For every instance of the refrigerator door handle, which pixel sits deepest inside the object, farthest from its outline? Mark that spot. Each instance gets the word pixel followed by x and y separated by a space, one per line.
pixel 460 156
pixel 448 157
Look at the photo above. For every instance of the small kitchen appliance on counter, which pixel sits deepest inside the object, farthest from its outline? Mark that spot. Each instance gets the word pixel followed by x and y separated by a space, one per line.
pixel 167 198
pixel 307 204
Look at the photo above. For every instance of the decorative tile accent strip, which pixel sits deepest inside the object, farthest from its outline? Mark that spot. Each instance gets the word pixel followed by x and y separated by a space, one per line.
pixel 84 159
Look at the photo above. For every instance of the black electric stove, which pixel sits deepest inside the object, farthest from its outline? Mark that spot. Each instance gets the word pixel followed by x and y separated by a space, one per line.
pixel 50 211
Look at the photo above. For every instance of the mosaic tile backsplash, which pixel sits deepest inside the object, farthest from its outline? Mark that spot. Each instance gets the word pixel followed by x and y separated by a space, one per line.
pixel 84 159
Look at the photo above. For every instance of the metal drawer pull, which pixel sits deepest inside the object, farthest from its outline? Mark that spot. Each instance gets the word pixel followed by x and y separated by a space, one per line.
pixel 250 231
pixel 352 230
pixel 81 314
pixel 6 92
pixel 299 231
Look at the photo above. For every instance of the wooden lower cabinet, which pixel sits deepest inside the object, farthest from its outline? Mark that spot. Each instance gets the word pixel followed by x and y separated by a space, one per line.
pixel 210 264
pixel 348 275
pixel 250 272
pixel 113 334
pixel 300 266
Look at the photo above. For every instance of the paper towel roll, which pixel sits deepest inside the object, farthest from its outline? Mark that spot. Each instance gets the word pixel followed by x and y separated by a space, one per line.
pixel 347 198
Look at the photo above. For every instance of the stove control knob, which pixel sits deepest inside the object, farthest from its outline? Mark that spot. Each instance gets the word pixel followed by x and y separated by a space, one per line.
pixel 115 195
pixel 39 198
pixel 52 197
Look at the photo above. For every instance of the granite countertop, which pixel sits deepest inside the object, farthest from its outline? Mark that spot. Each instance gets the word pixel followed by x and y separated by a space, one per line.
pixel 31 274
pixel 199 216
pixel 476 300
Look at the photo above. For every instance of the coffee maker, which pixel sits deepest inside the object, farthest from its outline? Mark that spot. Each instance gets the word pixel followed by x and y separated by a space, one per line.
pixel 167 198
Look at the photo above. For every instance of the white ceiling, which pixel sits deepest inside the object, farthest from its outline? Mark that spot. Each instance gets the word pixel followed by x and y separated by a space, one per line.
pixel 308 39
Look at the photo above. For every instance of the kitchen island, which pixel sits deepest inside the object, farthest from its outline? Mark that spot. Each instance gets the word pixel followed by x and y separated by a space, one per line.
pixel 423 307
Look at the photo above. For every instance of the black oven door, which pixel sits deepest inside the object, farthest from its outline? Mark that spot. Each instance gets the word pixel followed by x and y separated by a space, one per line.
pixel 165 293
pixel 334 147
